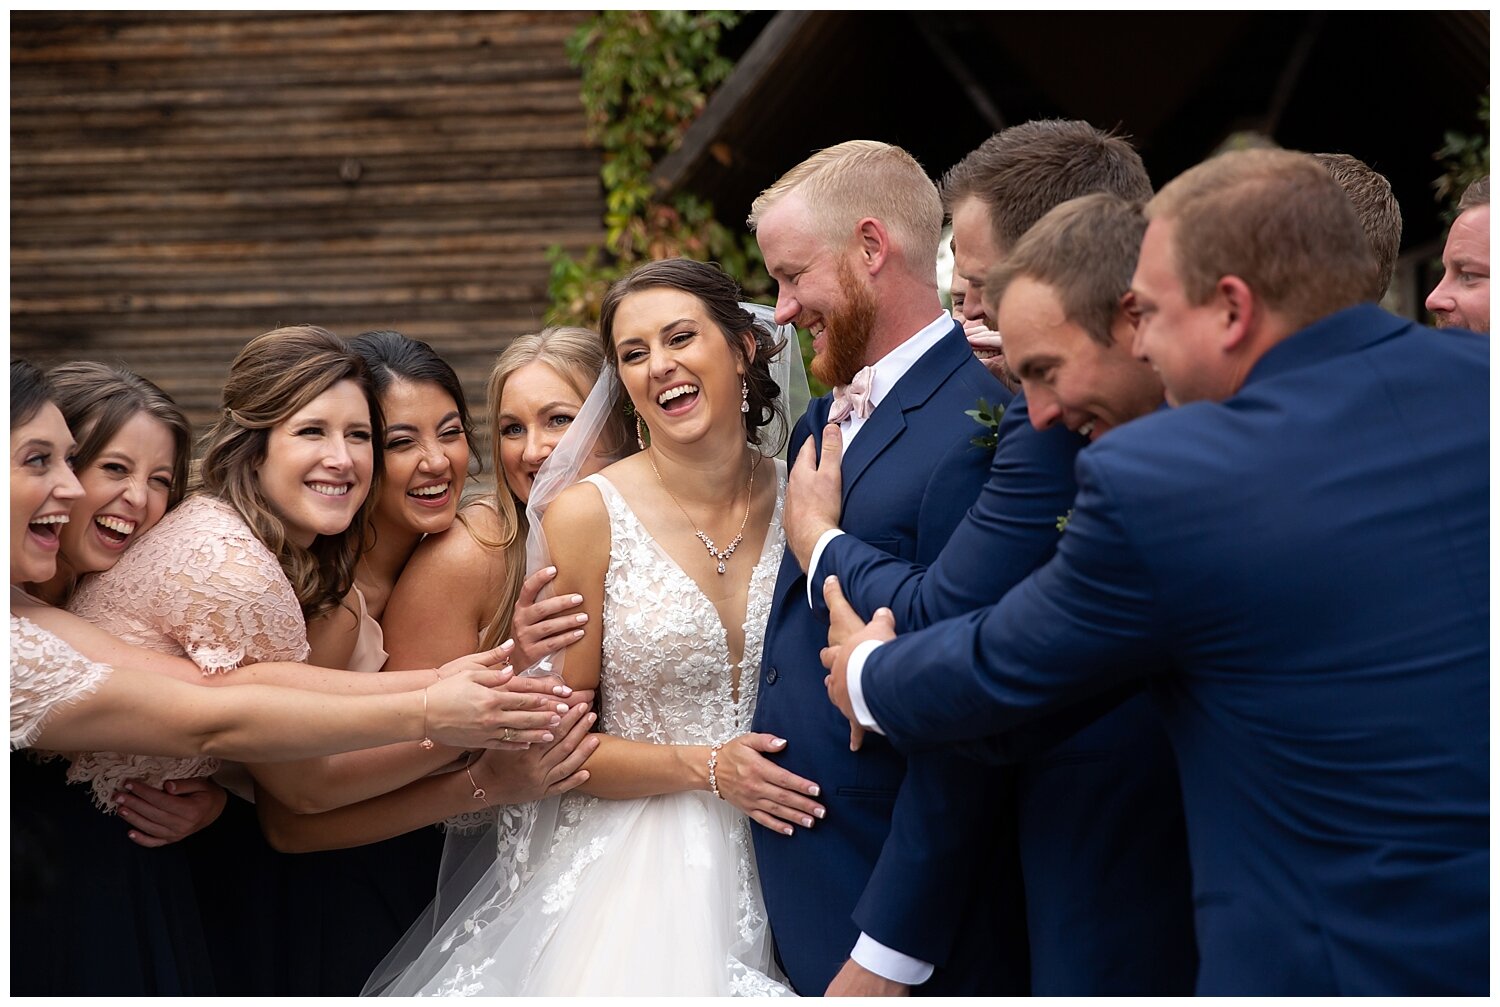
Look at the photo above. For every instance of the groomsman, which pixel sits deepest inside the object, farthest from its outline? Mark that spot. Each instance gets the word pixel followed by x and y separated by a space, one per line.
pixel 1303 543
pixel 1379 213
pixel 1102 845
pixel 1462 299
pixel 910 880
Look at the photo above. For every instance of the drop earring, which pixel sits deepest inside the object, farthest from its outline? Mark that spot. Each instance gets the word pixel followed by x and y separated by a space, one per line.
pixel 744 395
pixel 642 432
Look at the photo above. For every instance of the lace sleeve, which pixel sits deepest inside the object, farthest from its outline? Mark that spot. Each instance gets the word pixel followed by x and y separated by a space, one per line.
pixel 199 583
pixel 45 675
pixel 226 602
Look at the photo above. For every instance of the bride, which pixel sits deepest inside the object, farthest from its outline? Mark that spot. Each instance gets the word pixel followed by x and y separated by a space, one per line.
pixel 647 884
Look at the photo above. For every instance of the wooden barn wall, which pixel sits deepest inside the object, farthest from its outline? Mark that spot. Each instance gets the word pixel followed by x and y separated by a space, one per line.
pixel 183 181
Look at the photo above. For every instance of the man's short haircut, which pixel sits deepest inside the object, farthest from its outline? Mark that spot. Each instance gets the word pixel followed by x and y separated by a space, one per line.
pixel 847 182
pixel 1274 219
pixel 1379 213
pixel 1022 172
pixel 1477 194
pixel 1085 250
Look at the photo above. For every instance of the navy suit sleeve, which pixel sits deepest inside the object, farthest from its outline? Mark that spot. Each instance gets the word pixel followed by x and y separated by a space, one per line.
pixel 1083 625
pixel 944 848
pixel 1008 532
pixel 909 902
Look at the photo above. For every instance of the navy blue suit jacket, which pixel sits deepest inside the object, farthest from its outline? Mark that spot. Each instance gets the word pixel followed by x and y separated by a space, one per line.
pixel 879 863
pixel 1311 557
pixel 1103 850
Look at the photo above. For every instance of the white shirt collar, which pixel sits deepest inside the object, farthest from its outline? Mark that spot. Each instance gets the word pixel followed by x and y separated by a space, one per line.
pixel 890 368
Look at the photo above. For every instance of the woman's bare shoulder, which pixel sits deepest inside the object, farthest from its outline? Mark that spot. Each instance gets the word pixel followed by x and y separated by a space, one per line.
pixel 459 554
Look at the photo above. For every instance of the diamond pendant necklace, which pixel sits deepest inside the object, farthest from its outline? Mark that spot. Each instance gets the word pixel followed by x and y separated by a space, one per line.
pixel 721 555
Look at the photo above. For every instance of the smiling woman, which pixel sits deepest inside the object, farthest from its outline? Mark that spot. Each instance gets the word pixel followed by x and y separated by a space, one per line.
pixel 269 539
pixel 132 460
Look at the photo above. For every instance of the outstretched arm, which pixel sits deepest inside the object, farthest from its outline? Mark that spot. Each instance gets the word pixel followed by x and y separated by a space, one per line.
pixel 141 711
pixel 1082 626
pixel 504 778
pixel 1011 529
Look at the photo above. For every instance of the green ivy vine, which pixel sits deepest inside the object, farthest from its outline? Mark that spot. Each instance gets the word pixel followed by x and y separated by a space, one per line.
pixel 1465 158
pixel 646 77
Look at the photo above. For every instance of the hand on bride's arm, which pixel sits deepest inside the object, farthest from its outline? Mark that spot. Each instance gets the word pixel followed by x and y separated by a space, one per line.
pixel 158 816
pixel 483 659
pixel 770 795
pixel 472 710
pixel 542 770
pixel 544 627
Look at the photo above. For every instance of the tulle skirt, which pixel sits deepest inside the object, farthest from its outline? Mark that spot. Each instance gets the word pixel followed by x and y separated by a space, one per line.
pixel 655 896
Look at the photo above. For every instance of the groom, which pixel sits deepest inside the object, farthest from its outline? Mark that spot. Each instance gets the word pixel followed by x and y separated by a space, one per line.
pixel 886 887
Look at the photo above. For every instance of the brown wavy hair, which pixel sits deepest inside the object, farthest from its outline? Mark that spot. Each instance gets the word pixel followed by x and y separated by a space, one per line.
pixel 276 374
pixel 577 355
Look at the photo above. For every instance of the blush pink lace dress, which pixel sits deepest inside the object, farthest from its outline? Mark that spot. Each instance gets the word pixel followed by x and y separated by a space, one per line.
pixel 200 584
pixel 46 673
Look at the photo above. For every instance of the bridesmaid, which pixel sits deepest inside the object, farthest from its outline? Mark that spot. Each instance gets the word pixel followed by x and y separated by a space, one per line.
pixel 466 584
pixel 462 587
pixel 131 460
pixel 151 945
pixel 268 541
pixel 134 444
pixel 427 449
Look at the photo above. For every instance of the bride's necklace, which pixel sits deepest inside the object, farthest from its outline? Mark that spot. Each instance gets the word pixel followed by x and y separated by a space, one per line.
pixel 722 555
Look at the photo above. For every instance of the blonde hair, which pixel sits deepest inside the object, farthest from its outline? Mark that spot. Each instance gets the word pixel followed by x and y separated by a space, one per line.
pixel 1275 219
pixel 577 355
pixel 847 182
pixel 276 374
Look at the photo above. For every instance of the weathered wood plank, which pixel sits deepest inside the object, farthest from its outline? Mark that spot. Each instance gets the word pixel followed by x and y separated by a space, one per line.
pixel 181 181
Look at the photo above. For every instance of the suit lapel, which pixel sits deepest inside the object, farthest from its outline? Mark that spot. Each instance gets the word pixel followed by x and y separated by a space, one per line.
pixel 916 386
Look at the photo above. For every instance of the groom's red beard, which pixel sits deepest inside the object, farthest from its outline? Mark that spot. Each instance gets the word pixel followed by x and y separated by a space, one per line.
pixel 846 332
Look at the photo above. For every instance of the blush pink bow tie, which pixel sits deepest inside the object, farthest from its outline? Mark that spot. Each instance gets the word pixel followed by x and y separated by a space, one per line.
pixel 853 398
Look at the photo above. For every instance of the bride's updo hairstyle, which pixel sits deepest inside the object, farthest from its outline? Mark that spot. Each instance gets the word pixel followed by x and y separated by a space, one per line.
pixel 98 399
pixel 577 356
pixel 721 296
pixel 276 374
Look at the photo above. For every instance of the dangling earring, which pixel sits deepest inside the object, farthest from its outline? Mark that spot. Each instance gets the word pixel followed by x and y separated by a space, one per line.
pixel 641 431
pixel 744 395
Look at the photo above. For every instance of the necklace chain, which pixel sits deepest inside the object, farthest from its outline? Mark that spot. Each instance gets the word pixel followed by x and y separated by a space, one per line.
pixel 722 555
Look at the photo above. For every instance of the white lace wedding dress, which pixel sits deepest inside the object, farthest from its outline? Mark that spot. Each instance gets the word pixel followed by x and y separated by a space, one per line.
pixel 654 896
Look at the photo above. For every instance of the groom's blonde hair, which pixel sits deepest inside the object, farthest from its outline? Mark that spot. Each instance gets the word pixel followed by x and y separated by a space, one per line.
pixel 847 182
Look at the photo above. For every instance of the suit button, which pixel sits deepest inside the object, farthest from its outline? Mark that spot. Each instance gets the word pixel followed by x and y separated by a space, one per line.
pixel 770 676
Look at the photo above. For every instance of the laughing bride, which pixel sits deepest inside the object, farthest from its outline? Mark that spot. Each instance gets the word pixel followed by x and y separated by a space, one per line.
pixel 647 885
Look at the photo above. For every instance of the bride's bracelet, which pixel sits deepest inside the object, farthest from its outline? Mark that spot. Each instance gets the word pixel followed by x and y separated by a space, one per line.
pixel 713 766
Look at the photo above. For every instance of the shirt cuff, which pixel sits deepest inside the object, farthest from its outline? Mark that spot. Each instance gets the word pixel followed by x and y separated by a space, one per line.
pixel 853 673
pixel 888 963
pixel 812 563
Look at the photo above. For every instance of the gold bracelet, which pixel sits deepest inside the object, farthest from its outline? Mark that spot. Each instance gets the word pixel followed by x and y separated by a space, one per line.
pixel 478 790
pixel 426 741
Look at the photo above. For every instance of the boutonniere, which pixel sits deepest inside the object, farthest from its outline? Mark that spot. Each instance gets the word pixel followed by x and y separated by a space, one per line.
pixel 1063 519
pixel 987 416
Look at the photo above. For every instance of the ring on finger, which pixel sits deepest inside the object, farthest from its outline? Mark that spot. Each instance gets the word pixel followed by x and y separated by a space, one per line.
pixel 508 734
